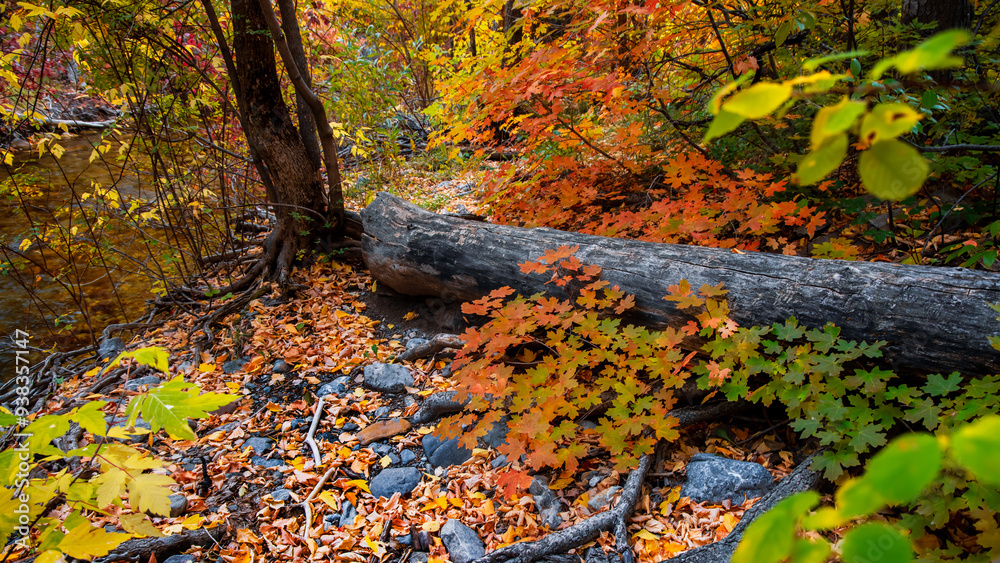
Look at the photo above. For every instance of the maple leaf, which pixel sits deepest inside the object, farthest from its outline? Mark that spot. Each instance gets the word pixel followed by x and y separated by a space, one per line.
pixel 553 256
pixel 512 482
pixel 170 405
pixel 86 542
pixel 149 492
pixel 533 268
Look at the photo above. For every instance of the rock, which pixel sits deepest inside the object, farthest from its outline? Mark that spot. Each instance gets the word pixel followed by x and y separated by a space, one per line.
pixel 462 543
pixel 335 387
pixel 140 424
pixel 414 342
pixel 282 495
pixel 380 412
pixel 407 456
pixel 547 502
pixel 281 366
pixel 110 348
pixel 388 378
pixel 178 505
pixel 496 436
pixel 138 383
pixel 350 427
pixel 383 429
pixel 382 449
pixel 444 453
pixel 602 499
pixel 436 406
pixel 712 478
pixel 259 445
pixel 419 557
pixel 331 521
pixel 596 555
pixel 266 463
pixel 499 461
pixel 395 480
pixel 233 366
pixel 227 427
pixel 180 558
pixel 347 514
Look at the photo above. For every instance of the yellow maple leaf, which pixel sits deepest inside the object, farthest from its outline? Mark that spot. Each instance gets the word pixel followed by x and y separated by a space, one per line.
pixel 149 492
pixel 140 525
pixel 87 542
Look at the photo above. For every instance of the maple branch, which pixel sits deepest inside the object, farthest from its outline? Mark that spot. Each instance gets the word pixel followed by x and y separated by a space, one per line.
pixel 597 149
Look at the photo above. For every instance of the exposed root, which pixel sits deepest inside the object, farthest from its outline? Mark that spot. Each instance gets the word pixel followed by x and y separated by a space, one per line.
pixel 614 520
pixel 161 548
pixel 433 346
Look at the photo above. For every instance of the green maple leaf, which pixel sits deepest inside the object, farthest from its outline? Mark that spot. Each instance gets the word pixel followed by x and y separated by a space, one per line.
pixel 869 436
pixel 939 386
pixel 170 405
pixel 91 419
pixel 925 410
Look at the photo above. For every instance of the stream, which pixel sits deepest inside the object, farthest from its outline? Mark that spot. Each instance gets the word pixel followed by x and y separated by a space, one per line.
pixel 61 302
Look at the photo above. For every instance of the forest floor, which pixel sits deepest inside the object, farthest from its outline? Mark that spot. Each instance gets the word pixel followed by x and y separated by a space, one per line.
pixel 279 354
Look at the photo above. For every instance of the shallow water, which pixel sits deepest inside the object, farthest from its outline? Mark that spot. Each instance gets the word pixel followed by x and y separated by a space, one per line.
pixel 48 310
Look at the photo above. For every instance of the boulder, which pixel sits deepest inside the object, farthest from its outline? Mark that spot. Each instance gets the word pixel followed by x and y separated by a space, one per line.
pixel 388 378
pixel 711 478
pixel 462 543
pixel 444 453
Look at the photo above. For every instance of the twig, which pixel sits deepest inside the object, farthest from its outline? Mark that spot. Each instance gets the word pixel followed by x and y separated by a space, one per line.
pixel 312 430
pixel 312 495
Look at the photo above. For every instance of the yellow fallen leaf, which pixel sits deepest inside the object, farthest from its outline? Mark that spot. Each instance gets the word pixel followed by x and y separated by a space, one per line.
pixel 645 535
pixel 431 526
pixel 193 522
pixel 360 483
pixel 560 484
pixel 424 430
pixel 206 368
pixel 386 461
pixel 330 499
pixel 232 386
pixel 410 316
pixel 344 452
pixel 729 521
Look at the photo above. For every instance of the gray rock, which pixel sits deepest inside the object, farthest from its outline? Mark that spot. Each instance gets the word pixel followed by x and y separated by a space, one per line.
pixel 388 378
pixel 180 558
pixel 499 461
pixel 178 505
pixel 420 557
pixel 138 383
pixel 602 499
pixel 281 366
pixel 547 502
pixel 347 514
pixel 282 495
pixel 436 406
pixel 260 446
pixel 395 480
pixel 496 436
pixel 331 521
pixel 122 421
pixel 409 401
pixel 110 348
pixel 381 412
pixel 406 456
pixel 227 427
pixel 381 449
pixel 462 543
pixel 233 366
pixel 335 387
pixel 444 453
pixel 712 478
pixel 266 463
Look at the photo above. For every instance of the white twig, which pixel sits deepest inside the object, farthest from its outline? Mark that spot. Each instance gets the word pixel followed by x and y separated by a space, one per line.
pixel 305 504
pixel 312 430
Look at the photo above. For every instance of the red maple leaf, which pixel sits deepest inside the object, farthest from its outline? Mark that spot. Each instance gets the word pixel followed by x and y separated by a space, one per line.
pixel 512 482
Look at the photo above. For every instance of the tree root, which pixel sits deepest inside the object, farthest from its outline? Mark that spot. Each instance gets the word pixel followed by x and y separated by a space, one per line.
pixel 440 342
pixel 614 520
pixel 800 479
pixel 161 548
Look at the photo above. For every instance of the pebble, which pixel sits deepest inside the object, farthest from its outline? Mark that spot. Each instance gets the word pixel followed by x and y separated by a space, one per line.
pixel 281 494
pixel 395 480
pixel 178 505
pixel 348 514
pixel 281 366
pixel 266 463
pixel 259 445
pixel 407 456
pixel 462 543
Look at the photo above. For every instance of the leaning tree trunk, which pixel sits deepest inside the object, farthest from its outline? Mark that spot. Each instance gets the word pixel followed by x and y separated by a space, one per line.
pixel 947 14
pixel 298 188
pixel 934 319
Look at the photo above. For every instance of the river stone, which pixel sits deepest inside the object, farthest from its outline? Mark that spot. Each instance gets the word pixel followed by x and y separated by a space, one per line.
pixel 281 366
pixel 233 366
pixel 602 499
pixel 406 456
pixel 711 478
pixel 138 383
pixel 388 378
pixel 383 429
pixel 110 348
pixel 496 436
pixel 395 480
pixel 178 505
pixel 260 446
pixel 335 387
pixel 347 514
pixel 444 453
pixel 462 543
pixel 281 494
pixel 266 463
pixel 546 501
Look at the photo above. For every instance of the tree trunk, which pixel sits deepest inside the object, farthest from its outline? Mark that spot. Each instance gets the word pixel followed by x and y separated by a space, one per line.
pixel 934 319
pixel 948 14
pixel 307 124
pixel 298 188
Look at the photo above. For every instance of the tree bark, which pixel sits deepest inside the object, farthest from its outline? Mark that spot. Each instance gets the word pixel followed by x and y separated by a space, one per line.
pixel 934 319
pixel 307 124
pixel 948 14
pixel 298 188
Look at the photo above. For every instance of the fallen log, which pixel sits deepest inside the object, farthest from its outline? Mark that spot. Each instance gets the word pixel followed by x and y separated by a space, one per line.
pixel 934 319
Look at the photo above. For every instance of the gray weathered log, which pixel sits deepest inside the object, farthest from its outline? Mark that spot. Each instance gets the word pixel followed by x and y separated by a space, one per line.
pixel 934 319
